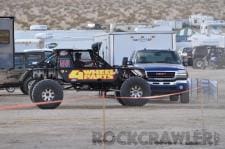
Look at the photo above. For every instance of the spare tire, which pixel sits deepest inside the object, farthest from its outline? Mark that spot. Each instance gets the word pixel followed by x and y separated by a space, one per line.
pixel 199 63
pixel 48 93
pixel 136 88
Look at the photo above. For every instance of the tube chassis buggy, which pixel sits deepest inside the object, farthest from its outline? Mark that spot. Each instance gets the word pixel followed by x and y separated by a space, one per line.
pixel 60 70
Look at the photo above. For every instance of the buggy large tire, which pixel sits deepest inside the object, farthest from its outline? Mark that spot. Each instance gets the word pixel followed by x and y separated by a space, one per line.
pixel 134 87
pixel 25 86
pixel 174 98
pixel 199 63
pixel 47 91
pixel 118 98
pixel 184 97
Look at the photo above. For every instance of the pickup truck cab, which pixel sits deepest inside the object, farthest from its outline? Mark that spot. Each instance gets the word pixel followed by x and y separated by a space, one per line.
pixel 165 71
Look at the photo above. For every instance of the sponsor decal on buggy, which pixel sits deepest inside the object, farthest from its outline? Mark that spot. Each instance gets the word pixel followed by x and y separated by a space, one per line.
pixel 104 74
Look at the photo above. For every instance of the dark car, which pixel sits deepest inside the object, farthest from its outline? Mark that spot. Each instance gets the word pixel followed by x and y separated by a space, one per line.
pixel 199 56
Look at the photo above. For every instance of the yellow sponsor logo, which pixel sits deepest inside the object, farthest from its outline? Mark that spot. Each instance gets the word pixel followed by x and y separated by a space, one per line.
pixel 104 74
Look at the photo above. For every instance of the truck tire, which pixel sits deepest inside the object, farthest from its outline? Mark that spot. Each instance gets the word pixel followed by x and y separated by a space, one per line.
pixel 198 63
pixel 30 89
pixel 26 84
pixel 174 98
pixel 47 91
pixel 134 87
pixel 184 98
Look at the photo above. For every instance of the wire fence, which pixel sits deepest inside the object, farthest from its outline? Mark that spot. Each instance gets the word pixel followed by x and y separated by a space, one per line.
pixel 206 89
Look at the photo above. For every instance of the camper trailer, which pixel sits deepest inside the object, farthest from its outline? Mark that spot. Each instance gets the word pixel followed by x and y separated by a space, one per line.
pixel 117 45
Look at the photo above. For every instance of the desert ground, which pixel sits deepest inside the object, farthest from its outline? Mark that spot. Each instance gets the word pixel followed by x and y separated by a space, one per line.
pixel 66 14
pixel 81 113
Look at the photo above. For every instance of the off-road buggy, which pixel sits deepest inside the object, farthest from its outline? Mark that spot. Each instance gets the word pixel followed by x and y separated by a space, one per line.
pixel 60 70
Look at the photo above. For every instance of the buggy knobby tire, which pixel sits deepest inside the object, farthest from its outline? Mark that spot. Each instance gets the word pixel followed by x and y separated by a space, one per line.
pixel 47 91
pixel 136 88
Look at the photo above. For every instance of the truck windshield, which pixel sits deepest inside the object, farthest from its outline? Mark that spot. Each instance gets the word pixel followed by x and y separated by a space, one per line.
pixel 157 56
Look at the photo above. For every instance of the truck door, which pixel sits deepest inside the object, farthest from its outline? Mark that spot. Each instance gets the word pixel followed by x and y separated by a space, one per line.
pixel 13 75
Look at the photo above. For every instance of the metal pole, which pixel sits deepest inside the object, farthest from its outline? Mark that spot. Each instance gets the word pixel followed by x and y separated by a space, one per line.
pixel 103 122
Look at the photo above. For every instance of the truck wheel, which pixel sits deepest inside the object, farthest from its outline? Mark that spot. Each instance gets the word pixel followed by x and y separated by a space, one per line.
pixel 30 89
pixel 47 91
pixel 174 98
pixel 134 87
pixel 26 85
pixel 198 63
pixel 184 98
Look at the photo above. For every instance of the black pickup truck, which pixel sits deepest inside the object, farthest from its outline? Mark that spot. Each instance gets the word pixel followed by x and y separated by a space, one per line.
pixel 13 65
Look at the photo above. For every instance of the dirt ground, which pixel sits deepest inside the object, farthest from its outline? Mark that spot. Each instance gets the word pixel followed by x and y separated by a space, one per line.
pixel 81 113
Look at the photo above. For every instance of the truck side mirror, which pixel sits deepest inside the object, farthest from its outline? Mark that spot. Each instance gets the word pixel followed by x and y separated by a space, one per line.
pixel 96 46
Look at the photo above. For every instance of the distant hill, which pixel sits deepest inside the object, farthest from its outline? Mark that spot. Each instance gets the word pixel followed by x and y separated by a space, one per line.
pixel 65 14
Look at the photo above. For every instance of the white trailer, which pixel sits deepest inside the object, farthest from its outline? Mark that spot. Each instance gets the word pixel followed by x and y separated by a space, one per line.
pixel 117 45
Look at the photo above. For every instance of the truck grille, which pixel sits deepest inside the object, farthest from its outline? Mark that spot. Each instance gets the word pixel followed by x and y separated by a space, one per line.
pixel 161 74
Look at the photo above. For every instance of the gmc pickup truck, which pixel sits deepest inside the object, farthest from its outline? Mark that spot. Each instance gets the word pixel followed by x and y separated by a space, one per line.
pixel 165 71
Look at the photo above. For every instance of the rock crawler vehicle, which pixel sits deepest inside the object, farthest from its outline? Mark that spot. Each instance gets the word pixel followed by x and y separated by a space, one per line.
pixel 61 69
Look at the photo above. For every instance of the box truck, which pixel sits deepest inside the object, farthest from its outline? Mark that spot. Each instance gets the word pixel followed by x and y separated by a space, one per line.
pixel 117 45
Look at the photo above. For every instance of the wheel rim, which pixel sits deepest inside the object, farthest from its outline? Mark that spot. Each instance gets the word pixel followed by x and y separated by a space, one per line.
pixel 136 91
pixel 10 89
pixel 48 95
pixel 199 64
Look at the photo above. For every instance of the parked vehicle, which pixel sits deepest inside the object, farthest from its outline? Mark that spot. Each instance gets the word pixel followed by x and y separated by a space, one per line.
pixel 199 56
pixel 117 45
pixel 86 70
pixel 202 56
pixel 165 72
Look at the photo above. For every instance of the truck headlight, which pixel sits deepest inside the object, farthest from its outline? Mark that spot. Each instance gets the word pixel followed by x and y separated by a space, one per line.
pixel 182 74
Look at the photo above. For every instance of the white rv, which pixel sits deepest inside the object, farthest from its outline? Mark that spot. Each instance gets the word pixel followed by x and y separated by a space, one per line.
pixel 198 19
pixel 213 27
pixel 24 44
pixel 117 45
pixel 71 39
pixel 213 40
